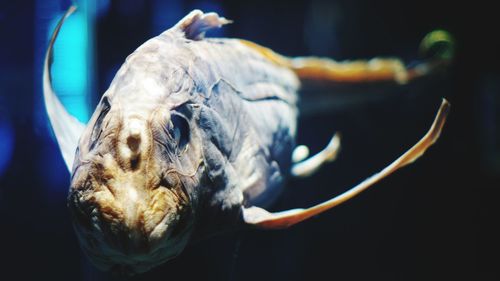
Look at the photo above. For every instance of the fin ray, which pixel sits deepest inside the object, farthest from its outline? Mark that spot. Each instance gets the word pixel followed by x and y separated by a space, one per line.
pixel 196 23
pixel 259 217
pixel 363 71
pixel 67 128
pixel 307 167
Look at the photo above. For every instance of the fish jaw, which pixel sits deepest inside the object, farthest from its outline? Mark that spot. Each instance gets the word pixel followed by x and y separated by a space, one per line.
pixel 129 220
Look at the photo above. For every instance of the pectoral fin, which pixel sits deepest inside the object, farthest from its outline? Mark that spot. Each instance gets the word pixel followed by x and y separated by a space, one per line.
pixel 259 217
pixel 67 128
pixel 307 167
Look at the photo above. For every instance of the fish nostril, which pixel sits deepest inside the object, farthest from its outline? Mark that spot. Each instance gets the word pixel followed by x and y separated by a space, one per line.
pixel 133 142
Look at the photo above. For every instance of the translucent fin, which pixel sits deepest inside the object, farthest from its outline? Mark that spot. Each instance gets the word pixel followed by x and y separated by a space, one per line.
pixel 309 166
pixel 360 71
pixel 373 70
pixel 196 23
pixel 259 217
pixel 67 128
pixel 300 153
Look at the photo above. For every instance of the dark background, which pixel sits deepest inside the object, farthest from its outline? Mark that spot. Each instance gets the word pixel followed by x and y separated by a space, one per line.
pixel 434 220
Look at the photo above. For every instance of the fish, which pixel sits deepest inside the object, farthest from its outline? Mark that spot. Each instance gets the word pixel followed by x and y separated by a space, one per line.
pixel 196 136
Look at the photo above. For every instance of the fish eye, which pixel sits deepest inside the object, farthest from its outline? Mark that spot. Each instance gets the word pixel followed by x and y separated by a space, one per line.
pixel 96 132
pixel 179 131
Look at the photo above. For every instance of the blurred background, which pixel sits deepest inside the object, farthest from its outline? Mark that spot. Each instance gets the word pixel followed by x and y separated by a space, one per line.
pixel 434 220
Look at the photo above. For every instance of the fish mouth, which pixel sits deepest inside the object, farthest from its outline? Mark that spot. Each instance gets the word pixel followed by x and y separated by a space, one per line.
pixel 118 262
pixel 128 252
pixel 128 229
pixel 135 220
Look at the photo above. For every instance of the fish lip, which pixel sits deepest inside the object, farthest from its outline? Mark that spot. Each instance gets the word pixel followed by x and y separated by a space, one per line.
pixel 88 216
pixel 138 260
pixel 111 253
pixel 157 226
pixel 137 265
pixel 89 221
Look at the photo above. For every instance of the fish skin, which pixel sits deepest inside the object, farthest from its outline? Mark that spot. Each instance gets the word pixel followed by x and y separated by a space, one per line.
pixel 241 111
pixel 195 136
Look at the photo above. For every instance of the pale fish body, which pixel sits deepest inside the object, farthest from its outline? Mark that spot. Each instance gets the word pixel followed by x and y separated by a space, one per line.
pixel 195 136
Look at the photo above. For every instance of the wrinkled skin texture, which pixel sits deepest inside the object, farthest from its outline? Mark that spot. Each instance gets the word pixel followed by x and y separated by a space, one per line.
pixel 194 136
pixel 177 145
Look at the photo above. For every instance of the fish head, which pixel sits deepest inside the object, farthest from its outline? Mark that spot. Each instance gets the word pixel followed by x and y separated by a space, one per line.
pixel 134 172
pixel 138 161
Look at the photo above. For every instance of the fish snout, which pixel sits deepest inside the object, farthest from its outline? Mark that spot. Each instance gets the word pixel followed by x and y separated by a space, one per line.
pixel 134 143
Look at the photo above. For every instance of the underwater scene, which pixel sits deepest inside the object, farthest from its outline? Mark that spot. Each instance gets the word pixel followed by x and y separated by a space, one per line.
pixel 249 140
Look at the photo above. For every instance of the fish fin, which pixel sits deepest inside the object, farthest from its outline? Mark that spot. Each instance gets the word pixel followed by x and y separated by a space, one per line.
pixel 196 23
pixel 268 53
pixel 328 85
pixel 315 68
pixel 300 152
pixel 377 69
pixel 67 128
pixel 359 71
pixel 307 167
pixel 259 217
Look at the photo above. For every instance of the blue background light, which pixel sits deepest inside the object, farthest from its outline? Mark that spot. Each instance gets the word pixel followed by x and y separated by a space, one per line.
pixel 72 79
pixel 71 61
pixel 6 143
pixel 436 218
